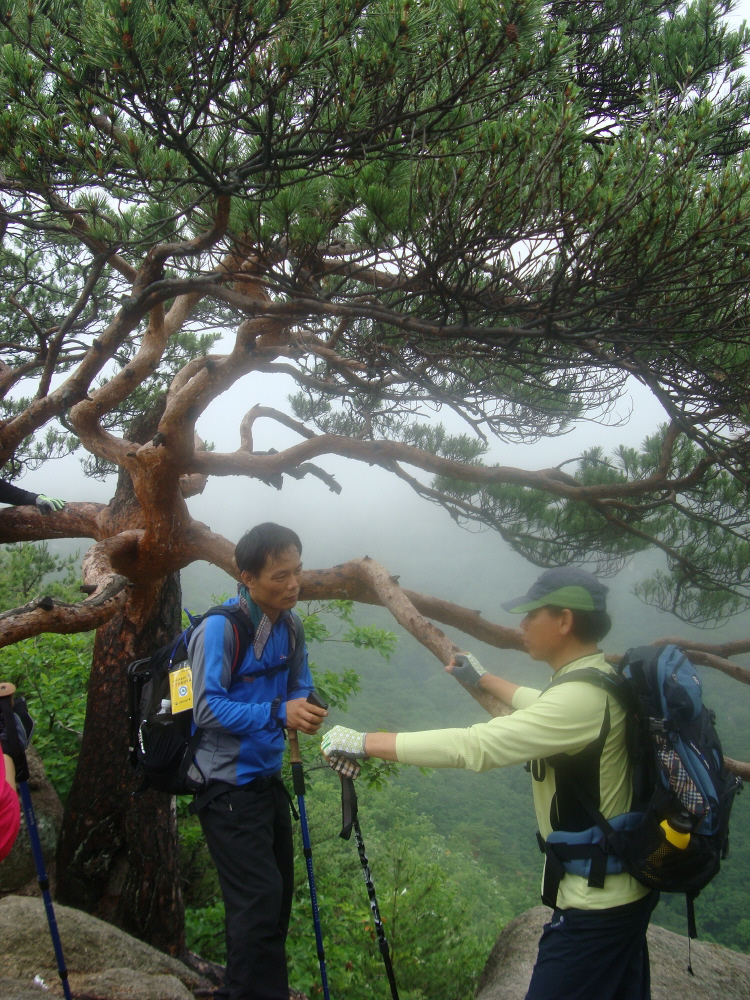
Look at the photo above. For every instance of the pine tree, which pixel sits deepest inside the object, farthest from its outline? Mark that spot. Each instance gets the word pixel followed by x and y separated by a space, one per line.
pixel 507 209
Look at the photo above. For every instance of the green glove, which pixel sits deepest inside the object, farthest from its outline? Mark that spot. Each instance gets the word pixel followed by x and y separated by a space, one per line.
pixel 468 669
pixel 47 504
pixel 344 742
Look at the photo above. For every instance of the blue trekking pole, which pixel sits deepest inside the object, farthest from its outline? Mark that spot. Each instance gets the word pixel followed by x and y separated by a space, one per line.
pixel 18 755
pixel 298 780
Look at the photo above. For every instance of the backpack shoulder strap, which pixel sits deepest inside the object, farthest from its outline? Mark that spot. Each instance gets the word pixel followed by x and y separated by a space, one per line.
pixel 298 655
pixel 241 624
pixel 613 685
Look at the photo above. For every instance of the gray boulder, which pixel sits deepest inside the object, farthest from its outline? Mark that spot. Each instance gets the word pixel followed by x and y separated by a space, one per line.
pixel 719 972
pixel 100 958
pixel 128 984
pixel 13 989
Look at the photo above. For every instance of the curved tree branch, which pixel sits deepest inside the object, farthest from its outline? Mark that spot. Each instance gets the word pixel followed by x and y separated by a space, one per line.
pixel 732 648
pixel 209 378
pixel 191 486
pixel 383 452
pixel 45 614
pixel 109 592
pixel 738 767
pixel 366 581
pixel 75 520
pixel 718 663
pixel 75 387
pixel 353 581
pixel 204 241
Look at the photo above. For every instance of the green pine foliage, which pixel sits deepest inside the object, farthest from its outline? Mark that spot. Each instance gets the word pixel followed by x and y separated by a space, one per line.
pixel 506 209
pixel 702 533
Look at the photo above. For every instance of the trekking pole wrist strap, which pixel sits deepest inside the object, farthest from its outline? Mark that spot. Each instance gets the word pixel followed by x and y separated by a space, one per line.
pixel 348 807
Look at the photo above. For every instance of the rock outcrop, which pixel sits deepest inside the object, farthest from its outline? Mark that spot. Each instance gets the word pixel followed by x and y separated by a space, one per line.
pixel 719 972
pixel 102 961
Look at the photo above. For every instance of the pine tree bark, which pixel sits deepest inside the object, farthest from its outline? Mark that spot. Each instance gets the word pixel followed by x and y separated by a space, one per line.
pixel 117 855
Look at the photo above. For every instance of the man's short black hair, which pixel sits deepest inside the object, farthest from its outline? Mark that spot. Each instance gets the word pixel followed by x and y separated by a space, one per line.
pixel 588 626
pixel 261 542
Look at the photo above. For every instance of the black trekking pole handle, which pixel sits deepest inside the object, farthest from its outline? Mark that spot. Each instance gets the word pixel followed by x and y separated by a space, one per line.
pixel 6 706
pixel 298 781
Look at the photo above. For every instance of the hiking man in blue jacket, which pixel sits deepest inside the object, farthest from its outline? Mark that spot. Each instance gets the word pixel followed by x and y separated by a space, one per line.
pixel 243 712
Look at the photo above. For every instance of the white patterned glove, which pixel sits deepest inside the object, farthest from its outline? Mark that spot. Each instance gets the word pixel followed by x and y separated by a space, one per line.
pixel 468 669
pixel 47 504
pixel 344 742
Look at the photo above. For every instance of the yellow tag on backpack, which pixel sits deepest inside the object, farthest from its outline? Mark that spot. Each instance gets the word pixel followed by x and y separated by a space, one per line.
pixel 181 689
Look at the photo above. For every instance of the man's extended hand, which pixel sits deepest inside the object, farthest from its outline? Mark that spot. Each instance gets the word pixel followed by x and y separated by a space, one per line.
pixel 301 715
pixel 344 742
pixel 466 668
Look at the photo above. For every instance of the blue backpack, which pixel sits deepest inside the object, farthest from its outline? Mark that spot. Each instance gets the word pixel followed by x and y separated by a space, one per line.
pixel 676 834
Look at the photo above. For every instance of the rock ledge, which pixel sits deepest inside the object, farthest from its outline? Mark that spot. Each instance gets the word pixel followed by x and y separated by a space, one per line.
pixel 719 972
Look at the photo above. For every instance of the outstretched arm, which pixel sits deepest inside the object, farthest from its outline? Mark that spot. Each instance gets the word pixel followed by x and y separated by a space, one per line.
pixel 382 745
pixel 19 498
pixel 502 689
pixel 565 720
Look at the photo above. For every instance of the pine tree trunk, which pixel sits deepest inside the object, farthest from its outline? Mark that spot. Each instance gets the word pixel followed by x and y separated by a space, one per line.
pixel 117 855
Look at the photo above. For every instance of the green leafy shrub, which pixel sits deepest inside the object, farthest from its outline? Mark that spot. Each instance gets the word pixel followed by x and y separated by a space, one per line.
pixel 51 671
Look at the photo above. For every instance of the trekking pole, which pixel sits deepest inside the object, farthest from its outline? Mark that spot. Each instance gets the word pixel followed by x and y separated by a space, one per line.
pixel 6 706
pixel 351 821
pixel 298 780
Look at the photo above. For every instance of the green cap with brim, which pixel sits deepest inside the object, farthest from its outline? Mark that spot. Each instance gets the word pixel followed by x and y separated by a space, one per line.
pixel 562 587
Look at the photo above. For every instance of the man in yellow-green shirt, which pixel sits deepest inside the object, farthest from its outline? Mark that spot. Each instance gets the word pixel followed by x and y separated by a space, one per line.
pixel 594 947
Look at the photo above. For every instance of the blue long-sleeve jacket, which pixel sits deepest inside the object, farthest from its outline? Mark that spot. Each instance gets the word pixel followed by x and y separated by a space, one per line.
pixel 242 715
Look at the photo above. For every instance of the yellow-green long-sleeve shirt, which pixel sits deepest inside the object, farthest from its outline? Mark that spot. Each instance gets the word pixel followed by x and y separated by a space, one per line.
pixel 564 719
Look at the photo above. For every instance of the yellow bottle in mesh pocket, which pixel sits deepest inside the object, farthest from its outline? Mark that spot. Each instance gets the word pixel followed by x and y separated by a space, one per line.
pixel 676 838
pixel 677 829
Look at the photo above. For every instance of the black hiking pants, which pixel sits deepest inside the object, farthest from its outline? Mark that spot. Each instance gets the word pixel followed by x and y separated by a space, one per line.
pixel 595 954
pixel 249 835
